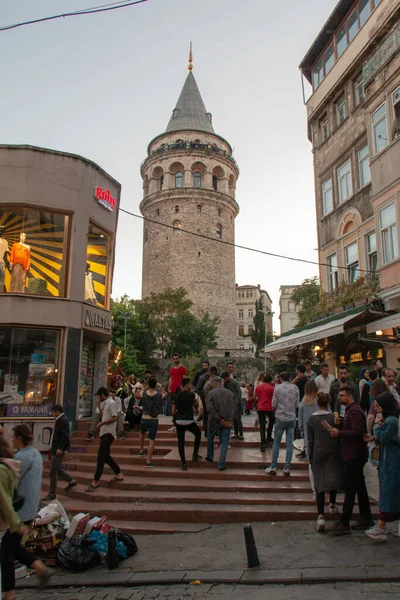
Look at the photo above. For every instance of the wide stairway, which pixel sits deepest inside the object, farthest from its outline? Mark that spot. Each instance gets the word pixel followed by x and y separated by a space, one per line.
pixel 165 499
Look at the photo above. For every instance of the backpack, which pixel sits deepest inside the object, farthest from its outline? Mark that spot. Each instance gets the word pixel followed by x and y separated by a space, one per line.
pixel 152 405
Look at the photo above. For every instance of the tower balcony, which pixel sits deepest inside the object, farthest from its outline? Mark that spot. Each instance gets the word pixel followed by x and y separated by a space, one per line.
pixel 190 146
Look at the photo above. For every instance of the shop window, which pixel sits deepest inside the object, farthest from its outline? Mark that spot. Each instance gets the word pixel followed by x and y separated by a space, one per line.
pixel 97 264
pixel 28 371
pixel 33 251
pixel 85 402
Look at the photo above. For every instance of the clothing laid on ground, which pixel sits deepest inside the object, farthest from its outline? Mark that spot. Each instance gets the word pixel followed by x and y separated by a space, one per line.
pixel 324 453
pixel 285 400
pixel 387 434
pixel 177 374
pixel 264 393
pixel 324 383
pixel 305 412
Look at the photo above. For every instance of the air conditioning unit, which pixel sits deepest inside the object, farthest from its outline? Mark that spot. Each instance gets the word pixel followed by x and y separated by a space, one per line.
pixel 396 96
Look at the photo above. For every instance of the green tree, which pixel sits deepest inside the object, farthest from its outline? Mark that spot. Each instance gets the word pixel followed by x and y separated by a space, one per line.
pixel 307 297
pixel 128 327
pixel 259 326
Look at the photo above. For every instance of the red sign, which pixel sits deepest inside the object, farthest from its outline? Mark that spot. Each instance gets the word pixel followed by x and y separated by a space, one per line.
pixel 104 198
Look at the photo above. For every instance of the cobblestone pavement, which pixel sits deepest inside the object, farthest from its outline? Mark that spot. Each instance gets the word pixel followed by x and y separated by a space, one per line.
pixel 338 591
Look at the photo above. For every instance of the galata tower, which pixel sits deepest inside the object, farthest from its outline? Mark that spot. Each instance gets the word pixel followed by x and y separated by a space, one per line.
pixel 189 181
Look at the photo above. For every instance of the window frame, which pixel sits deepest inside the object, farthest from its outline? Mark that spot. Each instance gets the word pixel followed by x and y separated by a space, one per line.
pixel 352 272
pixel 241 314
pixel 250 313
pixel 179 177
pixel 333 272
pixel 361 160
pixel 393 240
pixel 197 179
pixel 324 192
pixel 338 108
pixel 324 127
pixel 340 178
pixel 359 92
pixel 375 124
pixel 371 253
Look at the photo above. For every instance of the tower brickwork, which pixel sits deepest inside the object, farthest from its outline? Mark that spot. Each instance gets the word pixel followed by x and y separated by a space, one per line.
pixel 189 180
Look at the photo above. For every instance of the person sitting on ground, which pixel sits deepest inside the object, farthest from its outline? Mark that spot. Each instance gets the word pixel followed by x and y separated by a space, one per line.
pixel 151 402
pixel 182 409
pixel 307 407
pixel 324 457
pixel 386 433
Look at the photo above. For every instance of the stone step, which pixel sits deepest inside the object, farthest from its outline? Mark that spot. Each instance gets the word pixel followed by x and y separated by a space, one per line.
pixel 166 422
pixel 203 470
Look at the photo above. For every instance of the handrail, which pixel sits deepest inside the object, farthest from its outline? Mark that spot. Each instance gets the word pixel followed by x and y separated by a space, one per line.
pixel 191 146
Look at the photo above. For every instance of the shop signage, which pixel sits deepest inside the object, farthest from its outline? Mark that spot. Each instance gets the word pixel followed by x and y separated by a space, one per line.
pixel 104 198
pixel 95 319
pixel 29 410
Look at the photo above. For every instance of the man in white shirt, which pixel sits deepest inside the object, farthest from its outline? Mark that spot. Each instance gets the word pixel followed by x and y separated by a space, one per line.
pixel 324 381
pixel 108 432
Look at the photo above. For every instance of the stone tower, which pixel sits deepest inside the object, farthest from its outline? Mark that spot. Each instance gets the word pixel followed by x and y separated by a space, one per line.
pixel 189 181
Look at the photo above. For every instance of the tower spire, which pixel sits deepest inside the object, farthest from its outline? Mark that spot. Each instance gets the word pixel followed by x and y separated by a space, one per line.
pixel 190 65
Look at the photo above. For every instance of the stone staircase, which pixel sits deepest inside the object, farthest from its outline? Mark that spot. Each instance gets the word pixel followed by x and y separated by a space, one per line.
pixel 165 499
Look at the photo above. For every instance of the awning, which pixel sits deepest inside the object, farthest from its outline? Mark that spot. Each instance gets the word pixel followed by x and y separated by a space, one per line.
pixel 385 323
pixel 311 334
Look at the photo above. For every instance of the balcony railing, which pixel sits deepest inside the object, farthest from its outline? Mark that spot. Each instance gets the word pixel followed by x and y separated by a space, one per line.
pixel 389 47
pixel 208 148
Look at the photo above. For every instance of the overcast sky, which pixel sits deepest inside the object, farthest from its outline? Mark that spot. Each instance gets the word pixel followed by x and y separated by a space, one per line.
pixel 104 85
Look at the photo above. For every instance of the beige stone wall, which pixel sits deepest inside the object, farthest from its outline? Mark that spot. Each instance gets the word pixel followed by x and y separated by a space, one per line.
pixel 172 258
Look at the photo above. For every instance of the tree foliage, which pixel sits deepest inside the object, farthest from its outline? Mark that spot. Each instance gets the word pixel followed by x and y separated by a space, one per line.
pixel 307 297
pixel 259 326
pixel 160 325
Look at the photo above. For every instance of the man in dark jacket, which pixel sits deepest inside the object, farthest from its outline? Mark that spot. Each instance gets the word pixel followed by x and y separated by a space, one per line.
pixel 342 381
pixel 233 386
pixel 59 445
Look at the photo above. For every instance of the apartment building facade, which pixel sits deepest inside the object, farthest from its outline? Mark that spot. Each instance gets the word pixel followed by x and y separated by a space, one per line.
pixel 353 117
pixel 287 308
pixel 246 298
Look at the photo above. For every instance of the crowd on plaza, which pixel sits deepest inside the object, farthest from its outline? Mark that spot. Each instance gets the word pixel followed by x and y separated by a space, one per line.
pixel 342 425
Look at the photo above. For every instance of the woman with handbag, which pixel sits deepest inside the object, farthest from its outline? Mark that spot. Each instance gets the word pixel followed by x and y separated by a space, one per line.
pixel 26 506
pixel 386 433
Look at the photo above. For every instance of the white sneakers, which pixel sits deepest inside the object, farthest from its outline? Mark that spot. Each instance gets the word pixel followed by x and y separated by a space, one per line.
pixel 270 471
pixel 394 528
pixel 320 524
pixel 376 533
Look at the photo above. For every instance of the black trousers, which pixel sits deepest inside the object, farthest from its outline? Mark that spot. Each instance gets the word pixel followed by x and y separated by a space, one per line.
pixel 237 421
pixel 12 550
pixel 180 432
pixel 262 417
pixel 354 483
pixel 104 456
pixel 205 418
pixel 321 501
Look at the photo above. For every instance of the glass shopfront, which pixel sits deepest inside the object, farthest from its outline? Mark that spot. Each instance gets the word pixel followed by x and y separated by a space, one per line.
pixel 28 371
pixel 85 402
pixel 97 259
pixel 33 251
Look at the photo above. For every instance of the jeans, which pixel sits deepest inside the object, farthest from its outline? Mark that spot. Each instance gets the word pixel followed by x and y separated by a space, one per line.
pixel 262 417
pixel 280 428
pixel 354 483
pixel 180 432
pixel 224 433
pixel 104 457
pixel 57 471
pixel 11 550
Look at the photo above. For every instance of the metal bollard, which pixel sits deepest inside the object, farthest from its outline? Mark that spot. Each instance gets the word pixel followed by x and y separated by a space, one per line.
pixel 252 555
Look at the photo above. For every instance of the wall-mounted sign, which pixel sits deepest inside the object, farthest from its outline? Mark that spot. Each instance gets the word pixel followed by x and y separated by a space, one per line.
pixel 104 198
pixel 29 410
pixel 95 319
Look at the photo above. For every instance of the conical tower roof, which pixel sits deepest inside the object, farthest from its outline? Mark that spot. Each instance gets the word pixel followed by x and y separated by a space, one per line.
pixel 190 113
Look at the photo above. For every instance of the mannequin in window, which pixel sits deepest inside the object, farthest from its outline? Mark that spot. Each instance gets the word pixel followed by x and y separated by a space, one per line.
pixel 90 295
pixel 3 249
pixel 20 261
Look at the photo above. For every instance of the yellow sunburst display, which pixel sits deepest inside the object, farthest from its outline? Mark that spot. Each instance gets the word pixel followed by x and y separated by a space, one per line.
pixel 97 262
pixel 46 235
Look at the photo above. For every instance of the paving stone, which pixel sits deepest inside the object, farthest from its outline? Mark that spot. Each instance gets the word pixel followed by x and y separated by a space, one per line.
pixel 332 575
pixel 382 587
pixel 152 578
pixel 112 578
pixel 214 576
pixel 286 576
pixel 383 573
pixel 126 594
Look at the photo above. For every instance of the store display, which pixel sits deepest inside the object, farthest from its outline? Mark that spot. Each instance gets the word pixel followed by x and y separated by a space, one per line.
pixel 90 295
pixel 3 249
pixel 20 260
pixel 85 402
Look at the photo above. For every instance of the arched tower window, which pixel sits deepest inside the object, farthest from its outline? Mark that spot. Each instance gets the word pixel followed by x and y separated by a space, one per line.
pixel 178 179
pixel 219 212
pixel 199 208
pixel 197 179
pixel 217 176
pixel 218 231
pixel 176 208
pixel 215 182
pixel 177 226
pixel 158 175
